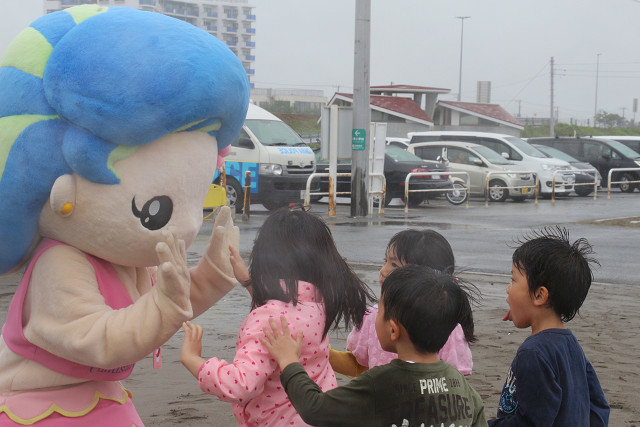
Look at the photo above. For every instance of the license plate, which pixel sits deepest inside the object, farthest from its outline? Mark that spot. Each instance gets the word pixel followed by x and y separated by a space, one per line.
pixel 435 176
pixel 525 190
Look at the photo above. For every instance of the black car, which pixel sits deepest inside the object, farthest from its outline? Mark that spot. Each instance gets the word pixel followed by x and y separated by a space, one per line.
pixel 397 164
pixel 604 154
pixel 583 178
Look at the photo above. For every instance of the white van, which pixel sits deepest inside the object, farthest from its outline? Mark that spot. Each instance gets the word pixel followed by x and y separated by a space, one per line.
pixel 514 149
pixel 278 159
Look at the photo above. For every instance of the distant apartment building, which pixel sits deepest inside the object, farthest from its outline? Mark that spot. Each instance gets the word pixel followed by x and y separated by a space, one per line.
pixel 231 21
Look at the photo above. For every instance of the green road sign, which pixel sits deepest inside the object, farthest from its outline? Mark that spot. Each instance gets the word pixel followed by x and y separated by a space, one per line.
pixel 358 139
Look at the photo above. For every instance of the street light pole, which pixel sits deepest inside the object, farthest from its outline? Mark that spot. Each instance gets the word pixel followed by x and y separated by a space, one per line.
pixel 595 111
pixel 461 18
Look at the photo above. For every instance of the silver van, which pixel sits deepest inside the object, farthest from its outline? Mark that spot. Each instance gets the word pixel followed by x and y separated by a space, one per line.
pixel 478 161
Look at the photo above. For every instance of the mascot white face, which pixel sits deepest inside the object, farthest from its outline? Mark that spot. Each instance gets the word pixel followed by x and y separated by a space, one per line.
pixel 162 184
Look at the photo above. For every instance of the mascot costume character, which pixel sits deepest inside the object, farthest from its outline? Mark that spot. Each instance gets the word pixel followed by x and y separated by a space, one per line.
pixel 112 121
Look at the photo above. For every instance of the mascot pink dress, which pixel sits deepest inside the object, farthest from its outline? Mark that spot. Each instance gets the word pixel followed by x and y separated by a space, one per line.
pixel 112 121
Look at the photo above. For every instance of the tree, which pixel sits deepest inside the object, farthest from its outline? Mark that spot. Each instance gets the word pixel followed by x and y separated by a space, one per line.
pixel 609 120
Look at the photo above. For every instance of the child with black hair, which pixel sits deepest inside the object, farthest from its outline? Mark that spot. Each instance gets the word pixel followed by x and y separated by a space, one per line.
pixel 418 309
pixel 420 247
pixel 550 381
pixel 295 270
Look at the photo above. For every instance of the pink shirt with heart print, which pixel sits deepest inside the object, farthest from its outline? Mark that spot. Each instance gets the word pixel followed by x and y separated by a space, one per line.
pixel 252 381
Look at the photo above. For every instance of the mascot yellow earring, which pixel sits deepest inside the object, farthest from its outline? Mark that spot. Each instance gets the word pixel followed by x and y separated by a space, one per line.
pixel 63 195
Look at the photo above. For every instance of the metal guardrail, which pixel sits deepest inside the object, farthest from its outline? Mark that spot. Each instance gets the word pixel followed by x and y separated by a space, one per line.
pixel 332 195
pixel 431 190
pixel 611 171
pixel 488 179
pixel 383 192
pixel 553 182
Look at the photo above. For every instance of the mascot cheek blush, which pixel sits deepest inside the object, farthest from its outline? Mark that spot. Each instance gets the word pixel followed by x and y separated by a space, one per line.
pixel 112 121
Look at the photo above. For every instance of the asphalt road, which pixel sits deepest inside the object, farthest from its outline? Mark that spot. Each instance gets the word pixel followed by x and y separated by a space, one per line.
pixel 483 237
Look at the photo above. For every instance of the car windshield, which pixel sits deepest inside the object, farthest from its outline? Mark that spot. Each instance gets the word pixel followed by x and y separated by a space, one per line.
pixel 400 155
pixel 274 132
pixel 623 149
pixel 491 155
pixel 554 152
pixel 525 147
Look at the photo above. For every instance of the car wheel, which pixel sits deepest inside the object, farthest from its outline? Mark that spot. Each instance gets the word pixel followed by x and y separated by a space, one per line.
pixel 624 186
pixel 459 194
pixel 272 205
pixel 497 194
pixel 542 195
pixel 235 195
pixel 583 190
pixel 414 201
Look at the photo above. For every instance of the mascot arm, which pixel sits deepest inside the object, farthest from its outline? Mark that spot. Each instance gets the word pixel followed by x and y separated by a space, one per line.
pixel 65 314
pixel 213 277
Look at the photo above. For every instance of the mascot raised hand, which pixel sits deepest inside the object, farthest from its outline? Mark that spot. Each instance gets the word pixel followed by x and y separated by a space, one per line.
pixel 112 122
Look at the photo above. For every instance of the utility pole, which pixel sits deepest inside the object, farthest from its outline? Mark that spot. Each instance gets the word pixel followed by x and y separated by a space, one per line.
pixel 551 118
pixel 461 18
pixel 361 112
pixel 595 111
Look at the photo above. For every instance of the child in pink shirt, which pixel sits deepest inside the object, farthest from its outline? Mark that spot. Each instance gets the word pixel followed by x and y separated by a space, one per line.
pixel 296 271
pixel 421 247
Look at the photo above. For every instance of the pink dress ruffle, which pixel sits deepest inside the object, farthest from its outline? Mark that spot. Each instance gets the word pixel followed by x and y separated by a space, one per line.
pixel 366 348
pixel 92 403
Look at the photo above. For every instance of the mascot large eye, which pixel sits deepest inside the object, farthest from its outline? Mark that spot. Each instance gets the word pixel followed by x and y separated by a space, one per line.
pixel 155 214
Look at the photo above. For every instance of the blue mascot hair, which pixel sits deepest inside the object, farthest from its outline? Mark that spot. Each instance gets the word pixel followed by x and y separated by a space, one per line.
pixel 80 83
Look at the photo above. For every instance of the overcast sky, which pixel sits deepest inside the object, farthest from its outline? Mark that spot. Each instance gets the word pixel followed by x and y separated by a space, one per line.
pixel 309 45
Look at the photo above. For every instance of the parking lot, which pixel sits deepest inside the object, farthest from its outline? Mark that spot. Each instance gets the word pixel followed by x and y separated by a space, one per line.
pixel 481 236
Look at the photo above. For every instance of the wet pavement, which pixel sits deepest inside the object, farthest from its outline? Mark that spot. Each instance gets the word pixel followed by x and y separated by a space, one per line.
pixel 483 237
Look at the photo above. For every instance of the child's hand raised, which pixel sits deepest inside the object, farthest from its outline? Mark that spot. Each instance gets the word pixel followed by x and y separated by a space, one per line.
pixel 190 354
pixel 282 346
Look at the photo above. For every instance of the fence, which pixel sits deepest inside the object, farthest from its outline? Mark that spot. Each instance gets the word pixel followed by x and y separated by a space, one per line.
pixel 620 182
pixel 332 195
pixel 439 190
pixel 553 182
pixel 488 179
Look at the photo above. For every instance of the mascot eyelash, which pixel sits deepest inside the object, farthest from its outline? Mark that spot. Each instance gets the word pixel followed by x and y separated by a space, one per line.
pixel 73 113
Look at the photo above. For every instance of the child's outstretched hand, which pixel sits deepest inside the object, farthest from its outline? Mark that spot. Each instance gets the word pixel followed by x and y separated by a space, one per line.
pixel 282 346
pixel 190 354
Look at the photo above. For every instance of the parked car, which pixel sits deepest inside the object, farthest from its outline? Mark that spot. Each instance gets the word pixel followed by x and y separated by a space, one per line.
pixel 583 178
pixel 397 141
pixel 632 142
pixel 397 164
pixel 477 160
pixel 515 150
pixel 604 154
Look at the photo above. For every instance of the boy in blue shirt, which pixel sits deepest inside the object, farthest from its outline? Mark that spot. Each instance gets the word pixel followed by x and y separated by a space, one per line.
pixel 550 381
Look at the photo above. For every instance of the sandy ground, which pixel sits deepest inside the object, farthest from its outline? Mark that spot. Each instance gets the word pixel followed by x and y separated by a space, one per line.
pixel 607 329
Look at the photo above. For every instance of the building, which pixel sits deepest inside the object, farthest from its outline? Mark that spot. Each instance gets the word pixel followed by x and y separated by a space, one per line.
pixel 469 116
pixel 297 101
pixel 483 92
pixel 231 21
pixel 402 115
pixel 416 108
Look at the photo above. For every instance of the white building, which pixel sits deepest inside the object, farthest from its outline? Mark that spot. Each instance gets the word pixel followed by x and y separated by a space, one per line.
pixel 231 21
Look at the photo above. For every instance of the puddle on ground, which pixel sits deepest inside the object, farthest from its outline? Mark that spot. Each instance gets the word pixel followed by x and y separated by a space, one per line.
pixel 404 223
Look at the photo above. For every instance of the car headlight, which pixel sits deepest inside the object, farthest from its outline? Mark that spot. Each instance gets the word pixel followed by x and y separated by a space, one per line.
pixel 270 169
pixel 637 162
pixel 548 167
pixel 512 175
